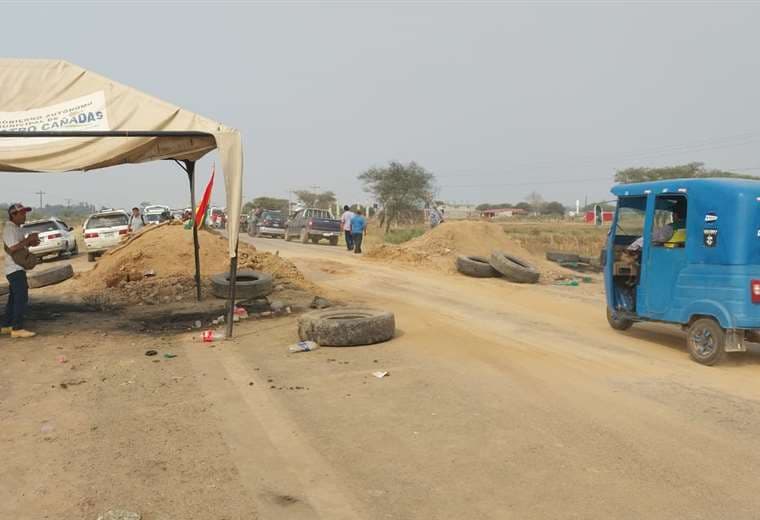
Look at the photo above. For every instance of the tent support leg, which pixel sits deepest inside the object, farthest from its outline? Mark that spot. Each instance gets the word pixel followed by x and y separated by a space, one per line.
pixel 231 302
pixel 190 168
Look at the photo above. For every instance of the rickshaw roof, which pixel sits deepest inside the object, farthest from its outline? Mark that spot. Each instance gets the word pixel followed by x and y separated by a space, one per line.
pixel 696 186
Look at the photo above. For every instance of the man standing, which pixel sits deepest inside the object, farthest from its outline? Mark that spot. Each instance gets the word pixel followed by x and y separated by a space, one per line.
pixel 345 224
pixel 358 227
pixel 136 220
pixel 18 297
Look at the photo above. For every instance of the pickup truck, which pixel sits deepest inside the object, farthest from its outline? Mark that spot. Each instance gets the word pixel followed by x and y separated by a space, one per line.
pixel 314 225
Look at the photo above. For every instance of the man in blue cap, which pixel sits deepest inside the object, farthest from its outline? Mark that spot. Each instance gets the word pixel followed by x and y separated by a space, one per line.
pixel 18 297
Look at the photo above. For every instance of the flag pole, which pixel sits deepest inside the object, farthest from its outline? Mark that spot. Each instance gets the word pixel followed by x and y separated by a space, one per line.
pixel 190 165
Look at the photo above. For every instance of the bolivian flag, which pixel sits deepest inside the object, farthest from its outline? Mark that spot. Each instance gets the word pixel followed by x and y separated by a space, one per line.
pixel 200 213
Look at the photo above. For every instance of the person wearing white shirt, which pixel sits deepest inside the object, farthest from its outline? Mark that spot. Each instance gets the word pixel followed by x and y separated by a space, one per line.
pixel 345 225
pixel 18 295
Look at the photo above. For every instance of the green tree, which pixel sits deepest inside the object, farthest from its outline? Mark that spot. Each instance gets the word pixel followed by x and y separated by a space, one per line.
pixel 683 171
pixel 401 189
pixel 524 206
pixel 266 203
pixel 553 208
pixel 536 202
pixel 323 200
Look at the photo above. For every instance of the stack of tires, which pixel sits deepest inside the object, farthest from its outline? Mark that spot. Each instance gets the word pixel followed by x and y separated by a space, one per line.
pixel 499 263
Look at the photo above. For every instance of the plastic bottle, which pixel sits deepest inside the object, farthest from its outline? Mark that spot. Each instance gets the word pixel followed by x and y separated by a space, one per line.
pixel 209 336
pixel 304 346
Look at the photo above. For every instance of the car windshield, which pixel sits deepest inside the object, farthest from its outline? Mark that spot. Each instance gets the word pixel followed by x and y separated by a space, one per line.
pixel 104 221
pixel 152 217
pixel 40 227
pixel 272 215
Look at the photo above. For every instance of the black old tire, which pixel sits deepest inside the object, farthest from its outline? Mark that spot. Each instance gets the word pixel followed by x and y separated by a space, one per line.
pixel 555 256
pixel 617 322
pixel 249 284
pixel 477 266
pixel 49 276
pixel 513 268
pixel 347 326
pixel 706 341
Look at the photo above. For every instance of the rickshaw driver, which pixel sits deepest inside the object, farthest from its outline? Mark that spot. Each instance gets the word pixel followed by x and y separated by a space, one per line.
pixel 670 235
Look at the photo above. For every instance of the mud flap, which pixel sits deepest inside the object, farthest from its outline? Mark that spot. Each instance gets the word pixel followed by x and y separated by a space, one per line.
pixel 735 341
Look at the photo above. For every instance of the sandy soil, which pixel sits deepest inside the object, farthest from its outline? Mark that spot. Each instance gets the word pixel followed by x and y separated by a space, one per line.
pixel 503 401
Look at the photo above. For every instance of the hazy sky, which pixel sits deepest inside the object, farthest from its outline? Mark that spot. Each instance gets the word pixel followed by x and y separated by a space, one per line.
pixel 496 99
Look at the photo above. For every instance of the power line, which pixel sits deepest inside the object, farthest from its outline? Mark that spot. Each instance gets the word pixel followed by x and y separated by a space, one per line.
pixel 40 193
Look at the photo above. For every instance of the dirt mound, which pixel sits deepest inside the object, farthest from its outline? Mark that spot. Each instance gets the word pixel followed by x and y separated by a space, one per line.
pixel 439 247
pixel 157 266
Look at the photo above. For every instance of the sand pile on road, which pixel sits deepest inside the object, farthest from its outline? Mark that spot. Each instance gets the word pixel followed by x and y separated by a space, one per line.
pixel 439 247
pixel 157 266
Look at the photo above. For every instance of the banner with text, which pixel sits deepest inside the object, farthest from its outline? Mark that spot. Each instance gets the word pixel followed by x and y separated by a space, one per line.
pixel 84 113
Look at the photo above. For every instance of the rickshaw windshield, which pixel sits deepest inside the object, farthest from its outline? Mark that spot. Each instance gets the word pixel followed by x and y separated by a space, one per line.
pixel 631 214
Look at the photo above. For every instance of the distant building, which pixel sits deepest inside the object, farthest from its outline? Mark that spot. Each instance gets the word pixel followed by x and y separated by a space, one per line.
pixel 503 213
pixel 458 211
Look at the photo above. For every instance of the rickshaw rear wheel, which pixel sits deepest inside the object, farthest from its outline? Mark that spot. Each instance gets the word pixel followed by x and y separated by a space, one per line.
pixel 616 322
pixel 706 341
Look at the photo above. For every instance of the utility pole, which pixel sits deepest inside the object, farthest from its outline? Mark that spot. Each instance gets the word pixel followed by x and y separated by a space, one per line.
pixel 40 193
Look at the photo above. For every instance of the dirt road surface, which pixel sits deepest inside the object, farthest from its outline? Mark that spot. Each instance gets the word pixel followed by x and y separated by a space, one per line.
pixel 503 401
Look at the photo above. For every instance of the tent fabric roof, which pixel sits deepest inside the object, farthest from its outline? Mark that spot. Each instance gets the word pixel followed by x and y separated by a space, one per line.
pixel 57 96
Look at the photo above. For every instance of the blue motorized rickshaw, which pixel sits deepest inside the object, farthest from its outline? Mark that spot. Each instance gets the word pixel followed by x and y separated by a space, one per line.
pixel 687 252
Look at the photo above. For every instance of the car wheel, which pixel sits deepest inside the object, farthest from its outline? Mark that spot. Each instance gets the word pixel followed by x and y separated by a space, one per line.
pixel 617 322
pixel 304 236
pixel 249 284
pixel 477 266
pixel 90 257
pixel 315 240
pixel 513 268
pixel 334 241
pixel 347 326
pixel 706 341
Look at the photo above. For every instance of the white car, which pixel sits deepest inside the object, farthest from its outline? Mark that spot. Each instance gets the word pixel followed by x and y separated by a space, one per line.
pixel 104 230
pixel 152 214
pixel 56 237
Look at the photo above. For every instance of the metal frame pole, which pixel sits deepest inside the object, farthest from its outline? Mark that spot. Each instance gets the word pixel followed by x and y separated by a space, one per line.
pixel 233 281
pixel 190 168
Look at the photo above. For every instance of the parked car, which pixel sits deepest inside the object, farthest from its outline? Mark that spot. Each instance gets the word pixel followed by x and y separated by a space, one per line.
pixel 104 230
pixel 313 224
pixel 271 223
pixel 56 237
pixel 155 214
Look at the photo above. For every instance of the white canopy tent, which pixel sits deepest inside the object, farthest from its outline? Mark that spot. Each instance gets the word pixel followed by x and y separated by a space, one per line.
pixel 58 117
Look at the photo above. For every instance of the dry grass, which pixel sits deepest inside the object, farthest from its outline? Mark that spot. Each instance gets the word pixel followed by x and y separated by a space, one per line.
pixel 538 238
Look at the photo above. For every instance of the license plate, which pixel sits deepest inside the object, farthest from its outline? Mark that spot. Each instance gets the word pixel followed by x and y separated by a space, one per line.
pixel 107 235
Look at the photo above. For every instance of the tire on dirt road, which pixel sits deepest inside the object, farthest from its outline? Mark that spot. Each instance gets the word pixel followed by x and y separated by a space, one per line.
pixel 50 276
pixel 556 256
pixel 477 266
pixel 249 284
pixel 347 326
pixel 513 268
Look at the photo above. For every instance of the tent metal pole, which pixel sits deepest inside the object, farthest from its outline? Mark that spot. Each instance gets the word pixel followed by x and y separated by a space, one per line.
pixel 190 167
pixel 233 280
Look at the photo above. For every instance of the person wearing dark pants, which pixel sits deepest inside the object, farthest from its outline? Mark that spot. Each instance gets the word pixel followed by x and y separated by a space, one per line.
pixel 345 225
pixel 18 295
pixel 358 227
pixel 18 298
